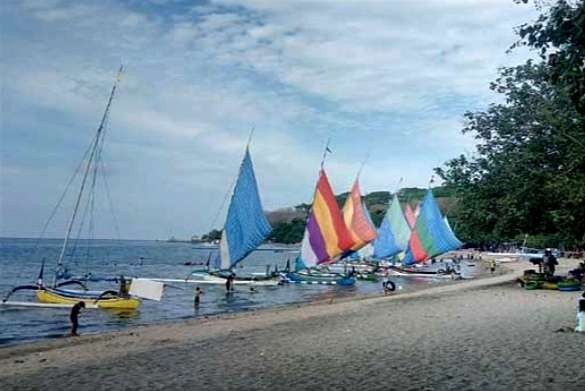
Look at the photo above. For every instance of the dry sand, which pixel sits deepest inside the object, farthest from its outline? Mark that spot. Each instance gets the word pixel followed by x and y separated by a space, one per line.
pixel 486 334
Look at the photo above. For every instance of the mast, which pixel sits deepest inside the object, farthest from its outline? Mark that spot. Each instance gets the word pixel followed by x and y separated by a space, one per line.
pixel 92 155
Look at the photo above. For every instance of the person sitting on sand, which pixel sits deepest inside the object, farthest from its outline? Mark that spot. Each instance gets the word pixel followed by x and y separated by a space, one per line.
pixel 198 294
pixel 75 310
pixel 579 272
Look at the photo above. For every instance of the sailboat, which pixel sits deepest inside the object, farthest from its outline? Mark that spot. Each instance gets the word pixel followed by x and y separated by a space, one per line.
pixel 411 214
pixel 325 239
pixel 246 227
pixel 430 237
pixel 393 233
pixel 55 293
pixel 363 232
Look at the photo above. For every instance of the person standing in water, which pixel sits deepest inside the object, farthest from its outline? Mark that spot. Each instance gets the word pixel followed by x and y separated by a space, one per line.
pixel 198 294
pixel 75 310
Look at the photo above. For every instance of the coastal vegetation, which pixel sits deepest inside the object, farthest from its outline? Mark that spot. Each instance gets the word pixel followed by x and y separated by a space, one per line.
pixel 527 175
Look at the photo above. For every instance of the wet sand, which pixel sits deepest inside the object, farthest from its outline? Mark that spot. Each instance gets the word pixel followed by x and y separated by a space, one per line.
pixel 484 334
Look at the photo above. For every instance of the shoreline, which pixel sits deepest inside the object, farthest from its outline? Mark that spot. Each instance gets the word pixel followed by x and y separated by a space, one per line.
pixel 504 270
pixel 448 286
pixel 300 334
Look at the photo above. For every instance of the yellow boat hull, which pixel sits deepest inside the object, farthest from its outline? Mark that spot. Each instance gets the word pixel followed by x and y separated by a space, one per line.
pixel 130 303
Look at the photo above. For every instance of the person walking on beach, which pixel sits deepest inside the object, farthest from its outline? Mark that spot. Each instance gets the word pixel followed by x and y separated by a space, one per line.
pixel 198 294
pixel 75 310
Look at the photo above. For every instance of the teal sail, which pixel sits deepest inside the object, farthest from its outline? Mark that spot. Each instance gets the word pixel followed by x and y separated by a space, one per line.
pixel 246 226
pixel 394 232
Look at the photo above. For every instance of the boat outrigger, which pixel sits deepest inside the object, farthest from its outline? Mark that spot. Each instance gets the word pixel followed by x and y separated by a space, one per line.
pixel 56 293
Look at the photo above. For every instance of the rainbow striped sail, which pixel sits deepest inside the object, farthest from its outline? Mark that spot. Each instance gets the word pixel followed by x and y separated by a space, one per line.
pixel 431 236
pixel 394 232
pixel 357 219
pixel 326 235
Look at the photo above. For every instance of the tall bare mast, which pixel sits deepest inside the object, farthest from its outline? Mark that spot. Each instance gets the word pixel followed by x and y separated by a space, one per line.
pixel 90 161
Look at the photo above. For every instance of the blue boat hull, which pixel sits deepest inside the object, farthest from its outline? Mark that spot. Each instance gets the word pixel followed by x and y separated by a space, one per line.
pixel 318 279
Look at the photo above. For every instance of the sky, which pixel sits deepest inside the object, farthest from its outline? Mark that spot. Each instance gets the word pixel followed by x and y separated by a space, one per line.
pixel 387 81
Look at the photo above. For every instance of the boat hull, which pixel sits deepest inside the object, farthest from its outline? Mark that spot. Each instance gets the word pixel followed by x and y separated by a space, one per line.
pixel 302 278
pixel 206 278
pixel 56 297
pixel 397 271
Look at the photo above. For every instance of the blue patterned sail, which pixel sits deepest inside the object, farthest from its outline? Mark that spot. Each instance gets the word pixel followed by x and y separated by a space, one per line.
pixel 393 233
pixel 246 226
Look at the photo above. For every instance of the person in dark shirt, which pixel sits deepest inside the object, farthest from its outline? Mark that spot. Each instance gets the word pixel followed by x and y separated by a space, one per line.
pixel 123 287
pixel 198 294
pixel 550 262
pixel 75 310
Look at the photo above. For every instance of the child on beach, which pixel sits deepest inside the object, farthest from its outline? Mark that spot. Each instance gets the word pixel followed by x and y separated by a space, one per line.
pixel 492 266
pixel 198 294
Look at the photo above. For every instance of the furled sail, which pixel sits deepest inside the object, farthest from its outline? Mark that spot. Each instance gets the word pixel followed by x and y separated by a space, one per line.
pixel 357 219
pixel 246 226
pixel 431 236
pixel 394 232
pixel 326 235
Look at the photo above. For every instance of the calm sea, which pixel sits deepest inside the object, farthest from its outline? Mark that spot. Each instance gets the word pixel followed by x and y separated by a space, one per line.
pixel 20 261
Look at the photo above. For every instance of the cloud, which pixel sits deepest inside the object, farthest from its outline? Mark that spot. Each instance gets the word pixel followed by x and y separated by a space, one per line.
pixel 392 78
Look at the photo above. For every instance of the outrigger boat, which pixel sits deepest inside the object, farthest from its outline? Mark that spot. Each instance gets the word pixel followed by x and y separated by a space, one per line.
pixel 56 293
pixel 407 239
pixel 329 235
pixel 246 227
pixel 431 236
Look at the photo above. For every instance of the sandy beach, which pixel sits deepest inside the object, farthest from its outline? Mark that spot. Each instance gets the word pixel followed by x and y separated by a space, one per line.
pixel 483 334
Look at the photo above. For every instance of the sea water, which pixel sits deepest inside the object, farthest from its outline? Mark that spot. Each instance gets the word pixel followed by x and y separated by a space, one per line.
pixel 21 259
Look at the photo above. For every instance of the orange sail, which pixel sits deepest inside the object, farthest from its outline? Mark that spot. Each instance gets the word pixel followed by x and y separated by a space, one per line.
pixel 356 219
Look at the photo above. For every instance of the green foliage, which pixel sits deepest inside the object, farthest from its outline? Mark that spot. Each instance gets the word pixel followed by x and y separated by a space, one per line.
pixel 214 234
pixel 559 36
pixel 528 173
pixel 288 233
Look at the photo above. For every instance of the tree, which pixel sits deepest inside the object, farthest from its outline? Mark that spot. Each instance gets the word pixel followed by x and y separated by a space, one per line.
pixel 559 36
pixel 528 173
